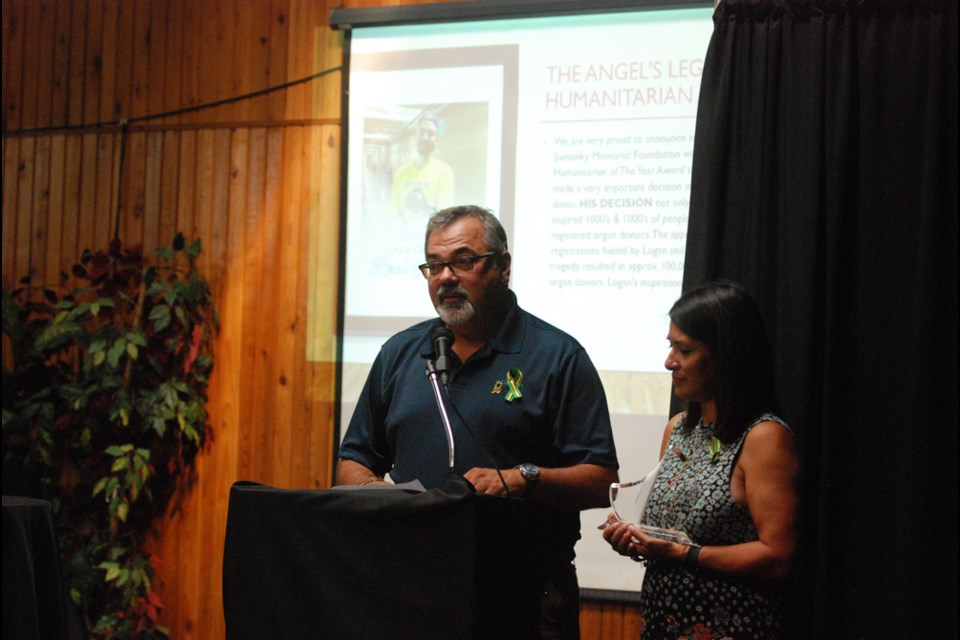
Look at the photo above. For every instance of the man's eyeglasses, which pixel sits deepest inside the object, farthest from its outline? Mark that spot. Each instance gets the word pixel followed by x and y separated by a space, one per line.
pixel 461 265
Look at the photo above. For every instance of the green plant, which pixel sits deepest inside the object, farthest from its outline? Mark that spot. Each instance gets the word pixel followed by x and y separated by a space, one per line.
pixel 104 394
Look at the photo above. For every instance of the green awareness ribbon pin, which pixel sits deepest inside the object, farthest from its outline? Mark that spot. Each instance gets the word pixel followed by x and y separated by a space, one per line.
pixel 714 449
pixel 514 380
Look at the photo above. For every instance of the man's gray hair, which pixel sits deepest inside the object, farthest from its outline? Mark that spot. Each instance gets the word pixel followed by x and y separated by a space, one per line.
pixel 493 233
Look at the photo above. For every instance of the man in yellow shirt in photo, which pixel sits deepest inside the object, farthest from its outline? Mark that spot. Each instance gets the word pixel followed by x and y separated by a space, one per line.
pixel 424 185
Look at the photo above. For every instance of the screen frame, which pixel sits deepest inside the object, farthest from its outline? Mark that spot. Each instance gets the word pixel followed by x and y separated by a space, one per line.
pixel 347 19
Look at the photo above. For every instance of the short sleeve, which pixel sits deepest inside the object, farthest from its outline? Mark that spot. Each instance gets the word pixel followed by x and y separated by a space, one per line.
pixel 582 430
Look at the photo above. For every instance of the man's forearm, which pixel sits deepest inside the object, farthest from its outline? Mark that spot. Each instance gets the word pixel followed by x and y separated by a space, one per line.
pixel 583 486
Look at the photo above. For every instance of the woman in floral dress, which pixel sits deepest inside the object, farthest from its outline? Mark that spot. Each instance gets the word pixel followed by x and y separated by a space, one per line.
pixel 728 481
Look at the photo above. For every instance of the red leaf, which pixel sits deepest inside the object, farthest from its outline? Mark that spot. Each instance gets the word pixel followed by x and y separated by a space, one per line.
pixel 195 341
pixel 155 600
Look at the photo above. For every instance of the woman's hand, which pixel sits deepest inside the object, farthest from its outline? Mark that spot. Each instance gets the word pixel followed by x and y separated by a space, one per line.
pixel 627 540
pixel 620 535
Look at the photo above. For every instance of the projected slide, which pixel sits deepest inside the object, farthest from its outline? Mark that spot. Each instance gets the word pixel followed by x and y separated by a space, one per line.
pixel 577 132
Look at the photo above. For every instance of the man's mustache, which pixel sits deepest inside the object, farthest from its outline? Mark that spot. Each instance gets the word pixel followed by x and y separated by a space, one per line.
pixel 451 292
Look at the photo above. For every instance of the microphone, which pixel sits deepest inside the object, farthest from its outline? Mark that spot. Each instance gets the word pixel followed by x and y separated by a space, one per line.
pixel 442 339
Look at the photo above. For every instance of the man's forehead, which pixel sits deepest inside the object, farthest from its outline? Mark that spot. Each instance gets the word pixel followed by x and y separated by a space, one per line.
pixel 461 236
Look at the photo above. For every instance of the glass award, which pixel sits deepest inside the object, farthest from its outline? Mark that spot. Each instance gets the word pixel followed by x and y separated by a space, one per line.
pixel 629 502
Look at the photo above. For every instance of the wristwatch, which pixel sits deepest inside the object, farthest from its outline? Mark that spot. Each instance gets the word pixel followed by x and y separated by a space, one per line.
pixel 531 474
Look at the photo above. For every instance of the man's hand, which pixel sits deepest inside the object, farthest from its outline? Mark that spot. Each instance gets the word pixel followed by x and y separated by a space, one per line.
pixel 487 481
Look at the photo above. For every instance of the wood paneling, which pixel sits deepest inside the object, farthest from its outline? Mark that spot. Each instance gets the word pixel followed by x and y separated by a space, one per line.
pixel 258 186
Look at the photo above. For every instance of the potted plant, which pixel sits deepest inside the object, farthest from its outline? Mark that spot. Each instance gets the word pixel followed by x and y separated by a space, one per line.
pixel 104 411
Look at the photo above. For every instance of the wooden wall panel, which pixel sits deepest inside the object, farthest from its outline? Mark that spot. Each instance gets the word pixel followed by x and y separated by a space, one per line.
pixel 89 218
pixel 82 32
pixel 85 68
pixel 60 92
pixel 171 79
pixel 186 191
pixel 70 216
pixel 13 16
pixel 46 35
pixel 278 35
pixel 29 90
pixel 11 170
pixel 224 56
pixel 123 38
pixel 24 209
pixel 169 183
pixel 40 205
pixel 157 46
pixel 134 176
pixel 105 107
pixel 257 181
pixel 602 621
pixel 55 229
pixel 151 192
pixel 141 80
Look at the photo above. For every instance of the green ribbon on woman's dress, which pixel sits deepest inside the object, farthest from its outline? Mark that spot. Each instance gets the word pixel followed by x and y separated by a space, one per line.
pixel 714 449
pixel 514 380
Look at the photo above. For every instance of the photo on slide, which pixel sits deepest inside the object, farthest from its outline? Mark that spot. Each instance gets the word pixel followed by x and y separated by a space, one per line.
pixel 439 141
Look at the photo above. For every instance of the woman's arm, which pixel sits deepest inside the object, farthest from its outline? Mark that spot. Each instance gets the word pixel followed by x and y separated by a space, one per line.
pixel 768 467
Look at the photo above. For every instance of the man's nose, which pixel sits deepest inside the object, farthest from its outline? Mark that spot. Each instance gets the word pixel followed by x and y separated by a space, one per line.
pixel 448 274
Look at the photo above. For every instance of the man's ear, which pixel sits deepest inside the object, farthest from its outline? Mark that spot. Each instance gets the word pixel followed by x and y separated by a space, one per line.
pixel 505 267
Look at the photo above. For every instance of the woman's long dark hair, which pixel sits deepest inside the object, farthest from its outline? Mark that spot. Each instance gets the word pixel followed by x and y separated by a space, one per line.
pixel 725 317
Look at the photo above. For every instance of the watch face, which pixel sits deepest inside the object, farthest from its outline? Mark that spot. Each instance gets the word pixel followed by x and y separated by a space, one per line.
pixel 530 471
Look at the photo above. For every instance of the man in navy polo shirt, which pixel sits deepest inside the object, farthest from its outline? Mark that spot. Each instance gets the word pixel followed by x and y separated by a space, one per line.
pixel 532 400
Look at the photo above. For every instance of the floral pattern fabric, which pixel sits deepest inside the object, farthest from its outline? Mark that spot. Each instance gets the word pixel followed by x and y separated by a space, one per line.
pixel 692 494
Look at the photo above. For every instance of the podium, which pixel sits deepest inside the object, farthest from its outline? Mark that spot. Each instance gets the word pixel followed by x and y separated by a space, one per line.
pixel 34 605
pixel 376 562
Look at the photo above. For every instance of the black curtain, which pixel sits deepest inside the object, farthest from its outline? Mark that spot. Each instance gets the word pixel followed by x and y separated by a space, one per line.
pixel 825 181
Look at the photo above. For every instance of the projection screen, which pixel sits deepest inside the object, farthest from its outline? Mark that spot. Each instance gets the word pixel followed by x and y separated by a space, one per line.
pixel 577 131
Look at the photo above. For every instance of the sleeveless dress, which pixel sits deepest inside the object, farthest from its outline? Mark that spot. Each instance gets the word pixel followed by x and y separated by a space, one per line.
pixel 693 495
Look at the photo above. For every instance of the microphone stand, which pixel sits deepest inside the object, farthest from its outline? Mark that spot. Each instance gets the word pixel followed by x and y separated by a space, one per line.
pixel 456 483
pixel 441 407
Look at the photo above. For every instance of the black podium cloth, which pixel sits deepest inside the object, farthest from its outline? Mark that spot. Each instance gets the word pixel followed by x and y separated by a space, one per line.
pixel 381 563
pixel 33 599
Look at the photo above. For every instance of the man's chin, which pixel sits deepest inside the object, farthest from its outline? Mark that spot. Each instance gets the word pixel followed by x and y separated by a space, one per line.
pixel 455 314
